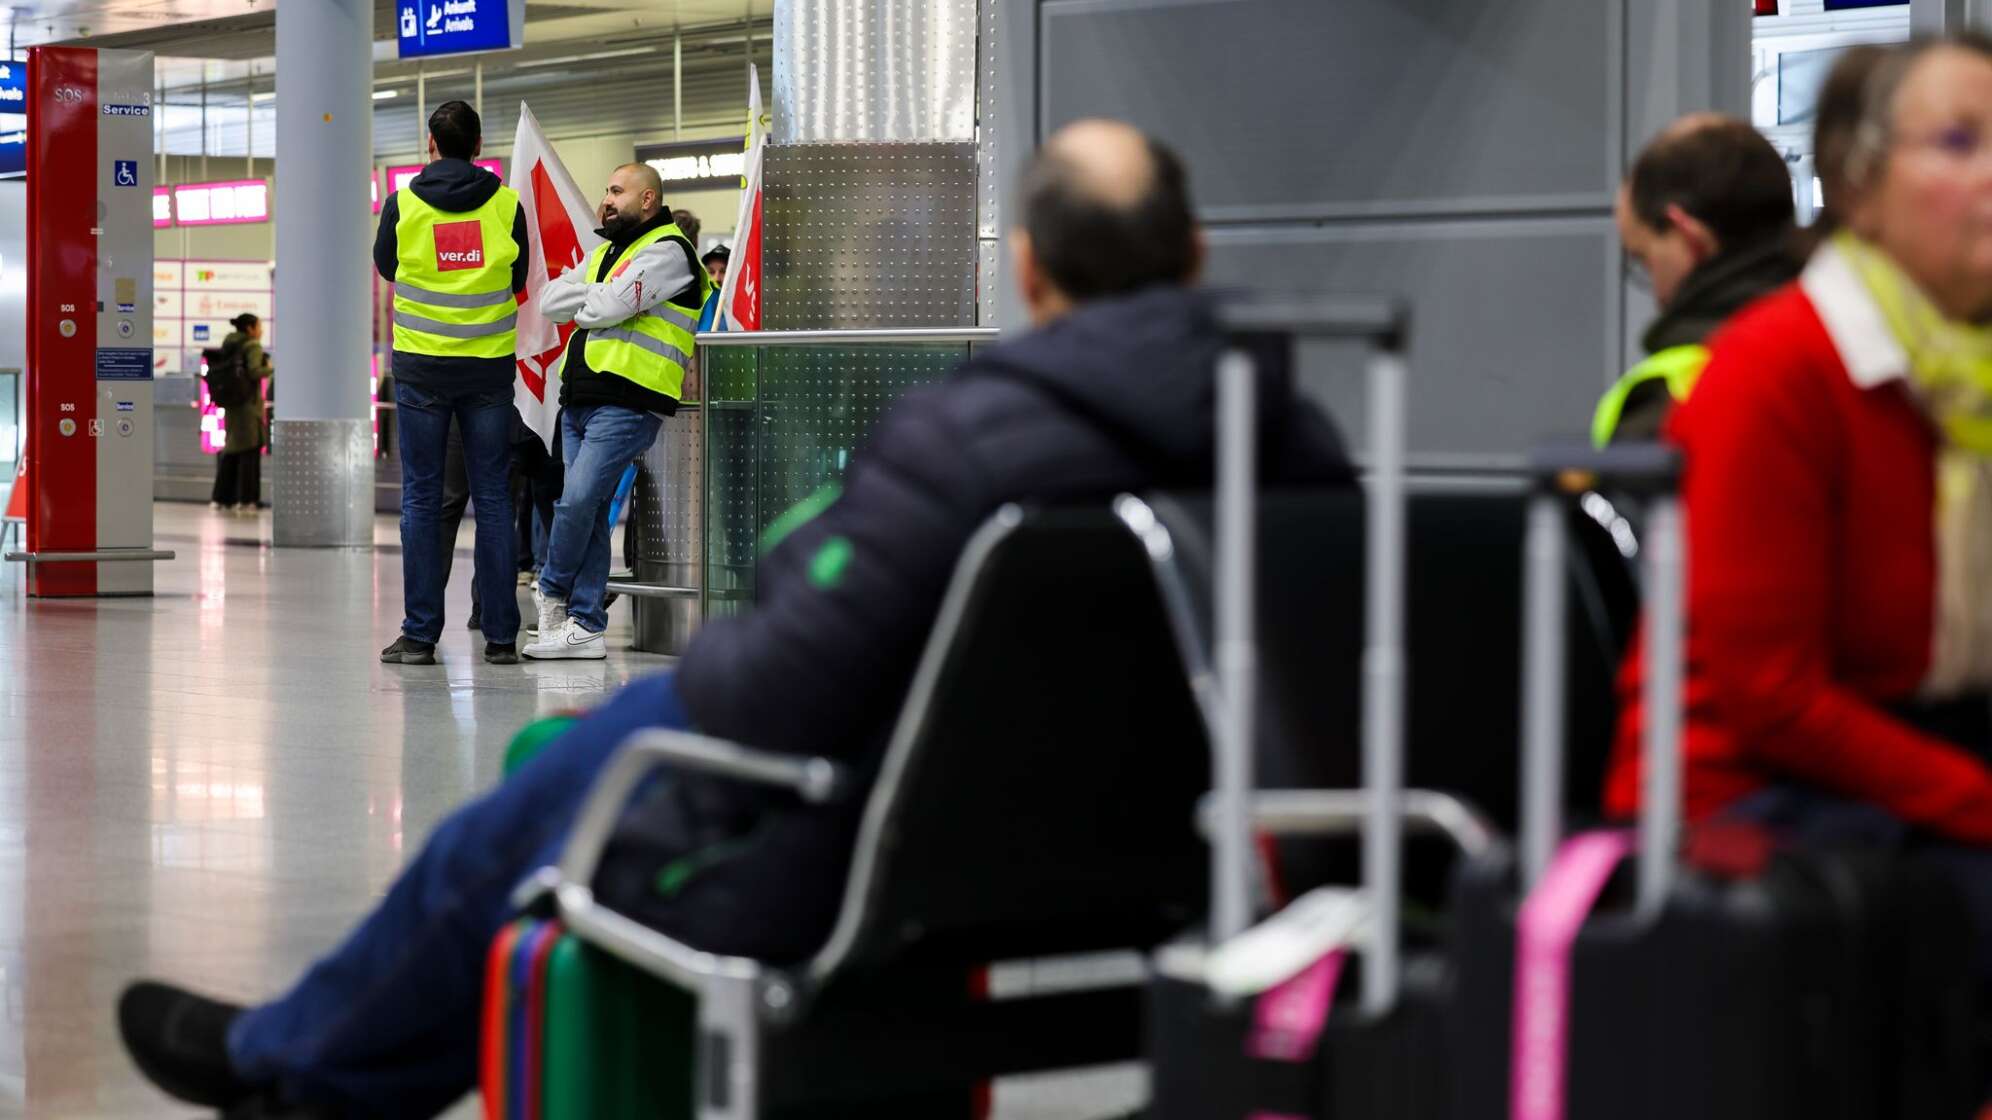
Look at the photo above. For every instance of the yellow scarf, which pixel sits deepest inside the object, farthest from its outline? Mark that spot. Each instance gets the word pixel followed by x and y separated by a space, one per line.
pixel 1950 370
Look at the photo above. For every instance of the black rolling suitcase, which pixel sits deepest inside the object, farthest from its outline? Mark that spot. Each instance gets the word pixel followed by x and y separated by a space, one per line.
pixel 1745 980
pixel 1355 1032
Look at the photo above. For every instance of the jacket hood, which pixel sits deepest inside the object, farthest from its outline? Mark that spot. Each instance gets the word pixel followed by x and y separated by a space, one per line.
pixel 1720 288
pixel 1141 366
pixel 455 185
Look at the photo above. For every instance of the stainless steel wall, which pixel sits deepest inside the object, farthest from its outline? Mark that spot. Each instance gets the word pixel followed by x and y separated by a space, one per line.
pixel 1463 155
pixel 872 196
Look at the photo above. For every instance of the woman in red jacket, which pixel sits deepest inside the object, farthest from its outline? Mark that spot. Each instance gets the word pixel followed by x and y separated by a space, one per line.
pixel 1839 502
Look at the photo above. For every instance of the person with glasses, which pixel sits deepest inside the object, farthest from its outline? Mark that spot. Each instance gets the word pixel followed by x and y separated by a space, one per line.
pixel 1838 496
pixel 1707 224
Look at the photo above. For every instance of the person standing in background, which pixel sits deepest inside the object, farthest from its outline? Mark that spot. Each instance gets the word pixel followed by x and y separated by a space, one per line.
pixel 453 244
pixel 238 472
pixel 715 263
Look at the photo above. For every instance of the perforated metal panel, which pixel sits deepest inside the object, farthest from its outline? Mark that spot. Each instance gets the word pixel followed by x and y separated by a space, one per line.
pixel 669 498
pixel 988 281
pixel 787 426
pixel 989 193
pixel 870 235
pixel 732 513
pixel 819 405
pixel 874 70
pixel 325 476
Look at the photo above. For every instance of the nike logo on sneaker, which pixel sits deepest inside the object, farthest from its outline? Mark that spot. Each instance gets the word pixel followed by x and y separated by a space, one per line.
pixel 580 637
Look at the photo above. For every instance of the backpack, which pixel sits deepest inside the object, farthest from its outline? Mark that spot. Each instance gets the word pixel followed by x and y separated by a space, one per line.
pixel 227 381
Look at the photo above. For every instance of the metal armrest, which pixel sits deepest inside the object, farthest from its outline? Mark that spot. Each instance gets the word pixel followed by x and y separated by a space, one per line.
pixel 815 780
pixel 1337 812
pixel 641 755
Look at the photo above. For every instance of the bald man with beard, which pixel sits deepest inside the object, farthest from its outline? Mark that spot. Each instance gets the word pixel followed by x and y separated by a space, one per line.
pixel 1111 392
pixel 635 305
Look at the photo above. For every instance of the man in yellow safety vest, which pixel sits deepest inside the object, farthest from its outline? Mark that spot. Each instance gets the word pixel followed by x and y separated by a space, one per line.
pixel 1706 219
pixel 453 245
pixel 635 305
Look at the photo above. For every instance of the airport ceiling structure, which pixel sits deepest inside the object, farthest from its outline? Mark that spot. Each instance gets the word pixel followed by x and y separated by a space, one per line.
pixel 589 67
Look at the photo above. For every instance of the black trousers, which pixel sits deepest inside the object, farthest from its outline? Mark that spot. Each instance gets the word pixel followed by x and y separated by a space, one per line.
pixel 238 478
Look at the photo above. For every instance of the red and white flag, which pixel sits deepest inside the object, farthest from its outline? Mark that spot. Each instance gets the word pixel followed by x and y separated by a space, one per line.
pixel 740 296
pixel 561 232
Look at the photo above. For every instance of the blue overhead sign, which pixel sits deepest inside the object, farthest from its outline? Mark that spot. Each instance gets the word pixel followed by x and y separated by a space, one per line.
pixel 13 153
pixel 425 28
pixel 13 86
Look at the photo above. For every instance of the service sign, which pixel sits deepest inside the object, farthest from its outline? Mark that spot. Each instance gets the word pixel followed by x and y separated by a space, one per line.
pixel 90 305
pixel 426 28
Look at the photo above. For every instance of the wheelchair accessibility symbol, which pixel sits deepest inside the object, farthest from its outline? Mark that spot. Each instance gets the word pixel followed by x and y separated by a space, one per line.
pixel 126 172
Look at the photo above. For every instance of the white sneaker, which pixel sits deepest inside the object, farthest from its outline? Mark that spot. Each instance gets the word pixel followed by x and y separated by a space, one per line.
pixel 552 613
pixel 572 642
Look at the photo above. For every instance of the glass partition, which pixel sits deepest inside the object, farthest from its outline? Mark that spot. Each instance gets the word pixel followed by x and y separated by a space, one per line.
pixel 783 412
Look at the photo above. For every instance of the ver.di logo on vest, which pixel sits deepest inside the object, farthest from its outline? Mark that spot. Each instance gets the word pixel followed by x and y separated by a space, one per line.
pixel 459 245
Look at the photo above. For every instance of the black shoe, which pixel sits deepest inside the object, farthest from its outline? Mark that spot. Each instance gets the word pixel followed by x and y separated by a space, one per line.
pixel 180 1042
pixel 408 651
pixel 501 653
pixel 476 622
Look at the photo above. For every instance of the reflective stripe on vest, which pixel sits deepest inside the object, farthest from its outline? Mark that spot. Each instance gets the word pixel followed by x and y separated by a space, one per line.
pixel 652 347
pixel 458 330
pixel 1681 366
pixel 453 278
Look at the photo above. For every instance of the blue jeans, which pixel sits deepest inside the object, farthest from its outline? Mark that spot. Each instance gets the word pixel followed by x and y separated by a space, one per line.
pixel 485 419
pixel 388 1023
pixel 598 442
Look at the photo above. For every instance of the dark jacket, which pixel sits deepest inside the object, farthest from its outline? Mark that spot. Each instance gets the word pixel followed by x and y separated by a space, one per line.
pixel 247 423
pixel 1721 287
pixel 455 185
pixel 581 385
pixel 1117 396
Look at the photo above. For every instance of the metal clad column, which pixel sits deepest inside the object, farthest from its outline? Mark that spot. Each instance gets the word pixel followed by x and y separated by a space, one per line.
pixel 871 202
pixel 323 434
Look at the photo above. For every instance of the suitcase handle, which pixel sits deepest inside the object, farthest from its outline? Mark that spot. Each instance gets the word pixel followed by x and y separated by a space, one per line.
pixel 1383 324
pixel 1651 471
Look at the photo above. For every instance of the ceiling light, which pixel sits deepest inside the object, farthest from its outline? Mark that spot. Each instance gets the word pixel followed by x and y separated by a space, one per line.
pixel 386 94
pixel 625 53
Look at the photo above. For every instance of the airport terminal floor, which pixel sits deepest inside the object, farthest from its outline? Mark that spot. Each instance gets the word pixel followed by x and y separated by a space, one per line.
pixel 214 783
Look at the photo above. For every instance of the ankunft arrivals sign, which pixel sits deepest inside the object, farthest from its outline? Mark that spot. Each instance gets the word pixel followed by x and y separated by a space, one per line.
pixel 426 28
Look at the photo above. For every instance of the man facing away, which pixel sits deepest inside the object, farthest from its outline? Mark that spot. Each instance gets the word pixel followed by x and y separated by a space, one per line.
pixel 636 305
pixel 1111 392
pixel 1706 220
pixel 453 244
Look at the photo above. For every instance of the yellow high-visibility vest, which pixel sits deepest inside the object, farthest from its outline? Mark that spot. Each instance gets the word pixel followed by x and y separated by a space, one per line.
pixel 651 347
pixel 453 280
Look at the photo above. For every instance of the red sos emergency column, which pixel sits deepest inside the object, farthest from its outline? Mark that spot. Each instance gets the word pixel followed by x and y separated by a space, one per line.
pixel 89 448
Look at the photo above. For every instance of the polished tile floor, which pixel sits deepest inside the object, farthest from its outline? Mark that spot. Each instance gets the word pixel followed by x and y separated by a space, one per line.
pixel 213 783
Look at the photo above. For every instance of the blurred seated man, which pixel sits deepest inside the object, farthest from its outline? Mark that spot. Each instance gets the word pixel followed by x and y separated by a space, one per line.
pixel 1111 392
pixel 1838 496
pixel 1706 220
